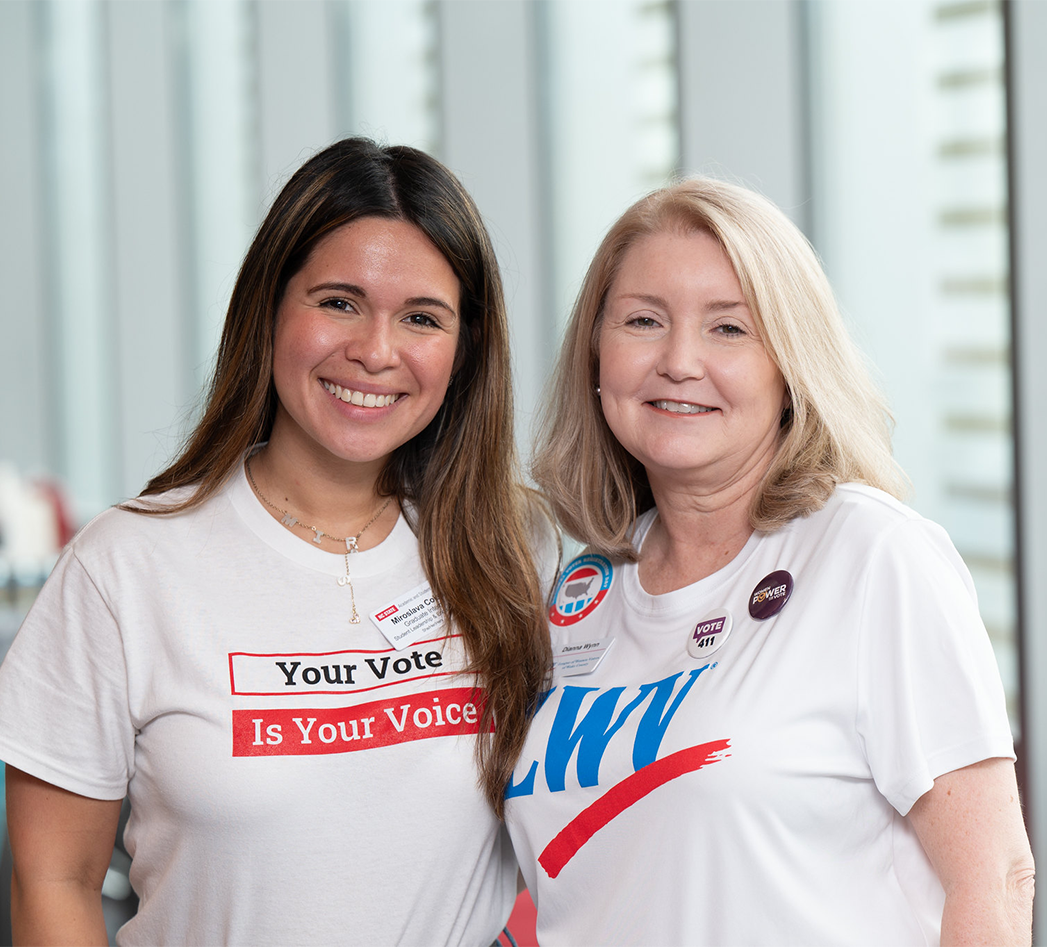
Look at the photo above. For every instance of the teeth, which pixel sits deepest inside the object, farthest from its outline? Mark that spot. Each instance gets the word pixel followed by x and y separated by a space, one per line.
pixel 682 407
pixel 369 400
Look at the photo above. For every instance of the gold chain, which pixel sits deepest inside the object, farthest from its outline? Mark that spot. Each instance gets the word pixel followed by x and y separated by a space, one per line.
pixel 351 542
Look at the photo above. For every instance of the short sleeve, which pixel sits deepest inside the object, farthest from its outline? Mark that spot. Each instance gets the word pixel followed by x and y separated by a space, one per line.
pixel 64 714
pixel 930 699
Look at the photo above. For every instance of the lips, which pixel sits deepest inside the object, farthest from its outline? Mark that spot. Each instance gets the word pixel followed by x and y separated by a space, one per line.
pixel 364 399
pixel 682 407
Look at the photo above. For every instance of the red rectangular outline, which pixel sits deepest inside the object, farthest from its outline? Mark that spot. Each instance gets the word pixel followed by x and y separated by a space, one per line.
pixel 323 654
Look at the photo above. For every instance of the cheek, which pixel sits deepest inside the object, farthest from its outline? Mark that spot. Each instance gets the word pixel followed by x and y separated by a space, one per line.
pixel 301 341
pixel 300 345
pixel 619 365
pixel 433 365
pixel 757 382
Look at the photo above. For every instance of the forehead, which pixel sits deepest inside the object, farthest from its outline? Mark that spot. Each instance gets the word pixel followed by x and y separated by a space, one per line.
pixel 681 260
pixel 370 236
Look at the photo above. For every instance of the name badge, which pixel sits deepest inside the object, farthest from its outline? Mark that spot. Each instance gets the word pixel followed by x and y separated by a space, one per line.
pixel 412 617
pixel 582 657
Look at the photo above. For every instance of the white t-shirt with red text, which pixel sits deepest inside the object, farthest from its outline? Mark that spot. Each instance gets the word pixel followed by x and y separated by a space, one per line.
pixel 293 778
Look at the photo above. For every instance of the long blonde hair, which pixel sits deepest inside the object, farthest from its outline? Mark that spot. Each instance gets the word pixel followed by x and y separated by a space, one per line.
pixel 836 429
pixel 474 521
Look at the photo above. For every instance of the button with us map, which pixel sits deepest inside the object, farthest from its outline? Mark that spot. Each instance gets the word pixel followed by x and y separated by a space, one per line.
pixel 581 587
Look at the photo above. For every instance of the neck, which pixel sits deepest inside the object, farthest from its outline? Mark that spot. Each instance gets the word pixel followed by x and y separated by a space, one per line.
pixel 695 534
pixel 339 500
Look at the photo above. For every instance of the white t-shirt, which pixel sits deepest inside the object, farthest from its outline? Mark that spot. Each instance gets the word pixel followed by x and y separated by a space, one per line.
pixel 293 779
pixel 756 793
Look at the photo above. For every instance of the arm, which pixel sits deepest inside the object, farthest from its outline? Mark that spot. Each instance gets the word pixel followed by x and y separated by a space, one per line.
pixel 61 844
pixel 970 825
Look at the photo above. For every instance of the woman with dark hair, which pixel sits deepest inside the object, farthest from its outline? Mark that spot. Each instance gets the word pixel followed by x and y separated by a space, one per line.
pixel 290 650
pixel 775 715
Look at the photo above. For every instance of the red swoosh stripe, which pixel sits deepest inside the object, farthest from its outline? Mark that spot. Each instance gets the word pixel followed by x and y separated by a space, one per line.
pixel 619 797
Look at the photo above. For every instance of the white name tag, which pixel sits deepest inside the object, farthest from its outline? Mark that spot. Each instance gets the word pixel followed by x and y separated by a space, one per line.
pixel 581 657
pixel 414 616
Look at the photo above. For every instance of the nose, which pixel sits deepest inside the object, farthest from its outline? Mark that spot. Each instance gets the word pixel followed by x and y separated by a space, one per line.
pixel 682 355
pixel 372 343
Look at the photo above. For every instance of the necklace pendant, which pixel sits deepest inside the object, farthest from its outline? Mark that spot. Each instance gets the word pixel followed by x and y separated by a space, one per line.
pixel 351 542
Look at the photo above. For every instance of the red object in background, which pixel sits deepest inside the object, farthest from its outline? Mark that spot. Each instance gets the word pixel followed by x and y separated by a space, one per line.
pixel 522 922
pixel 65 527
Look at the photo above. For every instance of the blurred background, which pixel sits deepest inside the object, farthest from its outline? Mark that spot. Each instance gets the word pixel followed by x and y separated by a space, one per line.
pixel 143 140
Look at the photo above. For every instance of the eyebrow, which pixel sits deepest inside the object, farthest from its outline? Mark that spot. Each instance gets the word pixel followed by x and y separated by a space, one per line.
pixel 645 298
pixel 353 290
pixel 725 305
pixel 717 305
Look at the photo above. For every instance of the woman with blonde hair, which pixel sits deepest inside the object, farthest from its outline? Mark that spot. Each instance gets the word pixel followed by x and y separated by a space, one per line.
pixel 290 650
pixel 775 716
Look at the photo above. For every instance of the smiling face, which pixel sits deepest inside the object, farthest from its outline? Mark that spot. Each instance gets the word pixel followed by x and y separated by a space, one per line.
pixel 686 385
pixel 365 342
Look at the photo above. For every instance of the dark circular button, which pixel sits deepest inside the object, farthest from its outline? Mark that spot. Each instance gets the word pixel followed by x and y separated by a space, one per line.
pixel 770 595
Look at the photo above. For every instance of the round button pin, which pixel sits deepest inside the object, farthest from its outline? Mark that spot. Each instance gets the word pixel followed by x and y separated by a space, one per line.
pixel 709 634
pixel 770 595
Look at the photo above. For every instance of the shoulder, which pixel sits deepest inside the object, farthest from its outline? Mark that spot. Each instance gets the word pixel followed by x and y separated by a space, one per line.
pixel 863 511
pixel 871 502
pixel 143 520
pixel 862 524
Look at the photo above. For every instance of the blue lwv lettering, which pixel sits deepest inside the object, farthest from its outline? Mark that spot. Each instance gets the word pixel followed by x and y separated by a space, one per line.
pixel 591 735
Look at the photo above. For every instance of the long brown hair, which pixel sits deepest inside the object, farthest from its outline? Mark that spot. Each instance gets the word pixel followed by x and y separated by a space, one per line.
pixel 474 521
pixel 836 428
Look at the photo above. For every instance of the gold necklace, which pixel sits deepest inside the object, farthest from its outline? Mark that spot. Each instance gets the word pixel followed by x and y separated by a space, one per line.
pixel 351 542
